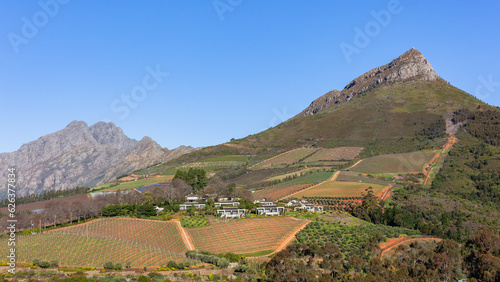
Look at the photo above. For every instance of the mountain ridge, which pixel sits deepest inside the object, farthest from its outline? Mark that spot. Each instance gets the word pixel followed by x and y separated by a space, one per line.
pixel 410 65
pixel 82 155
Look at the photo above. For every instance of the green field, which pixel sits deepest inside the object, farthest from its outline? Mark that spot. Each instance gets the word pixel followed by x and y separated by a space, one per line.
pixel 285 159
pixel 310 178
pixel 340 189
pixel 395 163
pixel 131 184
pixel 238 158
pixel 193 222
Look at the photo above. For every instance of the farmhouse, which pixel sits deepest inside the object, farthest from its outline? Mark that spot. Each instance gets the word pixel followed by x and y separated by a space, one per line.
pixel 263 202
pixel 310 208
pixel 271 210
pixel 187 205
pixel 296 204
pixel 231 213
pixel 227 204
pixel 192 198
pixel 192 201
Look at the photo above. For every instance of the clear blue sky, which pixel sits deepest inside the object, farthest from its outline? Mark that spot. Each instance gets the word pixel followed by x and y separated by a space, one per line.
pixel 235 67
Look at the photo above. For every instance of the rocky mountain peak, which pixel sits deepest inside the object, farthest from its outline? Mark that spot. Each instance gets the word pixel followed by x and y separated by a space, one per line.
pixel 82 155
pixel 108 133
pixel 411 65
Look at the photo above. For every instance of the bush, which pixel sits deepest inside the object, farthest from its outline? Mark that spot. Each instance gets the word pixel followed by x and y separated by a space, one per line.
pixel 155 274
pixel 118 266
pixel 143 278
pixel 54 263
pixel 44 264
pixel 109 265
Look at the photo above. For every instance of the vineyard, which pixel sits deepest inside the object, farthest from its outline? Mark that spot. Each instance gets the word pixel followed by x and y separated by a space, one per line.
pixel 141 242
pixel 193 222
pixel 350 239
pixel 335 154
pixel 351 176
pixel 243 236
pixel 285 159
pixel 335 203
pixel 395 163
pixel 339 189
pixel 80 250
pixel 274 193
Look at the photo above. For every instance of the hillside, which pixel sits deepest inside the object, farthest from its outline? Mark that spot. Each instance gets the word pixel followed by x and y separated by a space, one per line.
pixel 402 106
pixel 81 155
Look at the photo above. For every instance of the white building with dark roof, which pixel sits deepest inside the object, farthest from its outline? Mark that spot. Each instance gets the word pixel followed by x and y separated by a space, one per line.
pixel 227 204
pixel 271 210
pixel 231 212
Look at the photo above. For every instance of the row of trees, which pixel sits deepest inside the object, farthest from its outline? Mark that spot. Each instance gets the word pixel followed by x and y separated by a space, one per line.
pixel 46 195
pixel 444 261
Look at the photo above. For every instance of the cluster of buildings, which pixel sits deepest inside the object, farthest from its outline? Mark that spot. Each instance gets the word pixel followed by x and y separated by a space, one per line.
pixel 229 208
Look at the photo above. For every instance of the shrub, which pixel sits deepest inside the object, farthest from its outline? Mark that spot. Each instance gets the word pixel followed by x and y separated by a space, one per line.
pixel 109 265
pixel 54 263
pixel 118 266
pixel 155 274
pixel 44 264
pixel 143 278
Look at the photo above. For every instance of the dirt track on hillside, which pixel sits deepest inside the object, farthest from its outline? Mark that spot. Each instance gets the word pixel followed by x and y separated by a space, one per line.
pixel 288 239
pixel 394 242
pixel 437 157
pixel 185 236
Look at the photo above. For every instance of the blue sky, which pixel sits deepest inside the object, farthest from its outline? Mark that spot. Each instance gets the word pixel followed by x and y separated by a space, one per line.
pixel 201 72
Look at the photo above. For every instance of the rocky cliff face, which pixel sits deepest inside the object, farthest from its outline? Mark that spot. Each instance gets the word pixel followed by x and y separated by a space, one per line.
pixel 79 155
pixel 411 65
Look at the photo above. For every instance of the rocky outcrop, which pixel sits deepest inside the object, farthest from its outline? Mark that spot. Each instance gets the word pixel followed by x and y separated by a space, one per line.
pixel 412 65
pixel 79 155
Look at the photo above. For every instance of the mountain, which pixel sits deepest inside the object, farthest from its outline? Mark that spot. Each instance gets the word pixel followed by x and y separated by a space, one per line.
pixel 79 155
pixel 412 65
pixel 401 106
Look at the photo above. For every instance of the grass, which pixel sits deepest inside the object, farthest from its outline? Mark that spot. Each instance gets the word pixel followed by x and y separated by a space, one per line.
pixel 285 159
pixel 131 184
pixel 238 158
pixel 258 253
pixel 292 174
pixel 193 222
pixel 395 163
pixel 310 178
pixel 339 189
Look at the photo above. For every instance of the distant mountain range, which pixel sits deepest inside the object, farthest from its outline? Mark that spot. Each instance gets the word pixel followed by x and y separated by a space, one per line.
pixel 82 155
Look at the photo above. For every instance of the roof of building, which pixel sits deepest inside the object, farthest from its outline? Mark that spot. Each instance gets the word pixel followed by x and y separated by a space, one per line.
pixel 230 209
pixel 192 195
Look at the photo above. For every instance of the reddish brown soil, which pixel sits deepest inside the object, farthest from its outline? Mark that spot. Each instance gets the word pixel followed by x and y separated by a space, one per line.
pixel 394 242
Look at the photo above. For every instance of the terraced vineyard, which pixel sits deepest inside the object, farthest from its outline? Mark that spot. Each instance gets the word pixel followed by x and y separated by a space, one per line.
pixel 339 189
pixel 274 193
pixel 244 236
pixel 80 250
pixel 335 154
pixel 141 242
pixel 285 159
pixel 352 176
pixel 395 163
